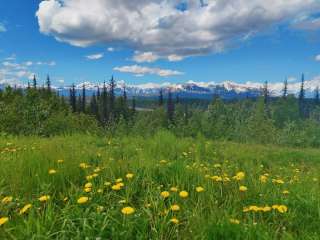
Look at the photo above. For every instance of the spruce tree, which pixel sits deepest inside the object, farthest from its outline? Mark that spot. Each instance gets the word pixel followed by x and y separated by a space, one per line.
pixel 170 108
pixel 317 96
pixel 104 105
pixel 48 82
pixel 302 98
pixel 94 110
pixel 265 93
pixel 73 98
pixel 285 89
pixel 112 86
pixel 161 98
pixel 83 101
pixel 34 82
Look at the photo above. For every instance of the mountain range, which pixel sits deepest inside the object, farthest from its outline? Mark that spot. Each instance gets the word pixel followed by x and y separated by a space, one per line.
pixel 201 90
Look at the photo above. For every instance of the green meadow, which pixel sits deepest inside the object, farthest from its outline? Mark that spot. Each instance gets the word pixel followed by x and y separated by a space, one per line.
pixel 159 187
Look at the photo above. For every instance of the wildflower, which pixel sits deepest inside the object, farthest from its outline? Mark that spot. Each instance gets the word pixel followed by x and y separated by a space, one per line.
pixel 100 209
pixel 175 208
pixel 127 210
pixel 263 178
pixel 116 187
pixel 25 209
pixel 174 189
pixel 234 221
pixel 3 220
pixel 163 161
pixel 107 184
pixel 183 194
pixel 87 190
pixel 277 181
pixel 83 200
pixel 7 199
pixel 44 198
pixel 119 180
pixel 285 192
pixel 266 209
pixel 122 201
pixel 97 169
pixel 52 171
pixel 65 199
pixel 239 176
pixel 100 190
pixel 83 165
pixel 129 176
pixel 88 185
pixel 217 165
pixel 174 220
pixel 216 178
pixel 165 194
pixel 243 189
pixel 60 161
pixel 280 208
pixel 199 189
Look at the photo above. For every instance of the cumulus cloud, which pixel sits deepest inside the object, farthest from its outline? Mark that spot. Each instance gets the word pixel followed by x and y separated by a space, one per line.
pixel 308 24
pixel 95 56
pixel 317 58
pixel 141 71
pixel 145 57
pixel 162 27
pixel 2 28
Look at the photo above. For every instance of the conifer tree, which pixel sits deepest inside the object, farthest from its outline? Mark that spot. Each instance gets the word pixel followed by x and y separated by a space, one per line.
pixel 48 82
pixel 94 110
pixel 73 98
pixel 133 106
pixel 83 101
pixel 302 98
pixel 265 93
pixel 170 108
pixel 317 96
pixel 161 98
pixel 285 89
pixel 34 82
pixel 104 105
pixel 112 86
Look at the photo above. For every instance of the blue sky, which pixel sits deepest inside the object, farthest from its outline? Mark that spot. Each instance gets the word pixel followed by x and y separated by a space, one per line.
pixel 282 47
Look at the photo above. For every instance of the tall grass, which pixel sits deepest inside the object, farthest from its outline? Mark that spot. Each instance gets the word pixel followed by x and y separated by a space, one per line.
pixel 157 163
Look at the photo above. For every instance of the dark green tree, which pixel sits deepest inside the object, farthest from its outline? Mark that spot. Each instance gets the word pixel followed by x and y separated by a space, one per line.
pixel 285 89
pixel 170 109
pixel 161 98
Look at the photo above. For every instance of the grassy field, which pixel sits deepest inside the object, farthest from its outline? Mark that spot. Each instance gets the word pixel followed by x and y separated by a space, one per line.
pixel 85 187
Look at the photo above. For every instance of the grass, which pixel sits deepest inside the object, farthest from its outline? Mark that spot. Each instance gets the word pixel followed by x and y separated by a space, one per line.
pixel 157 163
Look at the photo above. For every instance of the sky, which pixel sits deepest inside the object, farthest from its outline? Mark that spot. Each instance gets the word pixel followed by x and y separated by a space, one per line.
pixel 142 41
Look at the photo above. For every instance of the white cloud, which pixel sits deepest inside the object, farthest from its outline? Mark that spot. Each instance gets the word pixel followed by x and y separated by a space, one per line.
pixel 2 28
pixel 95 56
pixel 50 63
pixel 317 58
pixel 145 57
pixel 158 26
pixel 174 58
pixel 141 71
pixel 110 49
pixel 309 24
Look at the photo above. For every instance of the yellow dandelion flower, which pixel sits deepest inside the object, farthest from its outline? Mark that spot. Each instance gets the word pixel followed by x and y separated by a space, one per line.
pixel 183 194
pixel 60 161
pixel 165 194
pixel 44 198
pixel 239 176
pixel 119 180
pixel 84 165
pixel 174 220
pixel 282 209
pixel 3 220
pixel 65 199
pixel 52 171
pixel 199 189
pixel 243 189
pixel 266 209
pixel 129 176
pixel 83 200
pixel 107 184
pixel 100 190
pixel 87 190
pixel 127 210
pixel 7 200
pixel 25 209
pixel 163 161
pixel 97 169
pixel 174 189
pixel 285 192
pixel 277 181
pixel 175 208
pixel 234 221
pixel 116 187
pixel 263 178
pixel 88 185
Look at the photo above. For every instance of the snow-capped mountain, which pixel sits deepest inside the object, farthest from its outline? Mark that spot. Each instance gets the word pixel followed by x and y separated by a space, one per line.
pixel 191 89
